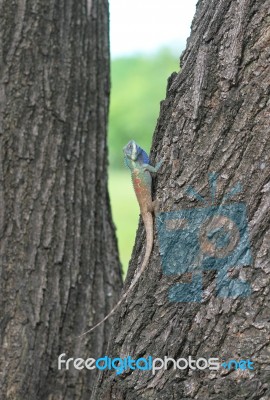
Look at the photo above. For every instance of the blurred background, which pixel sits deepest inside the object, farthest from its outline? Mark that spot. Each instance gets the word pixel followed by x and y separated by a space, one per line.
pixel 146 38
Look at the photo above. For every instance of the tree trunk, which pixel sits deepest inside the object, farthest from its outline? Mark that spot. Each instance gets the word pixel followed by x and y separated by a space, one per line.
pixel 59 265
pixel 215 120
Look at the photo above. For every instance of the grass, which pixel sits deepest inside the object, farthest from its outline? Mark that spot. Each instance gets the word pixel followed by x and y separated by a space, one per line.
pixel 125 211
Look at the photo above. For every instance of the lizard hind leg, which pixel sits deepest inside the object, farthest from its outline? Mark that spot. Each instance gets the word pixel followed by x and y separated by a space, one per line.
pixel 155 206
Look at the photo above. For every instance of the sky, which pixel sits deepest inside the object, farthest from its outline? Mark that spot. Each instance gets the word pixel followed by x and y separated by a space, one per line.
pixel 143 26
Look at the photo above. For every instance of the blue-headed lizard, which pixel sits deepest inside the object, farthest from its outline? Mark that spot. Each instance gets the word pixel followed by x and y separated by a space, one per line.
pixel 137 161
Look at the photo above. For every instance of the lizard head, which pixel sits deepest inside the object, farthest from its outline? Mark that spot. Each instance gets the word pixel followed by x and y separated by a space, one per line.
pixel 132 150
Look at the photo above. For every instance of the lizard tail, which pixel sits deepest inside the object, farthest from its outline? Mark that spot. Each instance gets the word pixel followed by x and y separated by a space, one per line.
pixel 148 223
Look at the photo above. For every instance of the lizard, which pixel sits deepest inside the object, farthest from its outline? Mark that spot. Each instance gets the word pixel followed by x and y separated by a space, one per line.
pixel 136 159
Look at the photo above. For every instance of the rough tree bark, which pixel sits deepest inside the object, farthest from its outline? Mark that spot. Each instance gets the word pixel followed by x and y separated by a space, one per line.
pixel 59 265
pixel 215 118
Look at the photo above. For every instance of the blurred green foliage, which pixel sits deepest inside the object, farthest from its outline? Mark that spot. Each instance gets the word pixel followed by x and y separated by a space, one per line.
pixel 125 212
pixel 138 85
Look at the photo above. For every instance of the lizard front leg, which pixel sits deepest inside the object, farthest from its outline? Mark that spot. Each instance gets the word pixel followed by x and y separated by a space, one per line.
pixel 152 169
